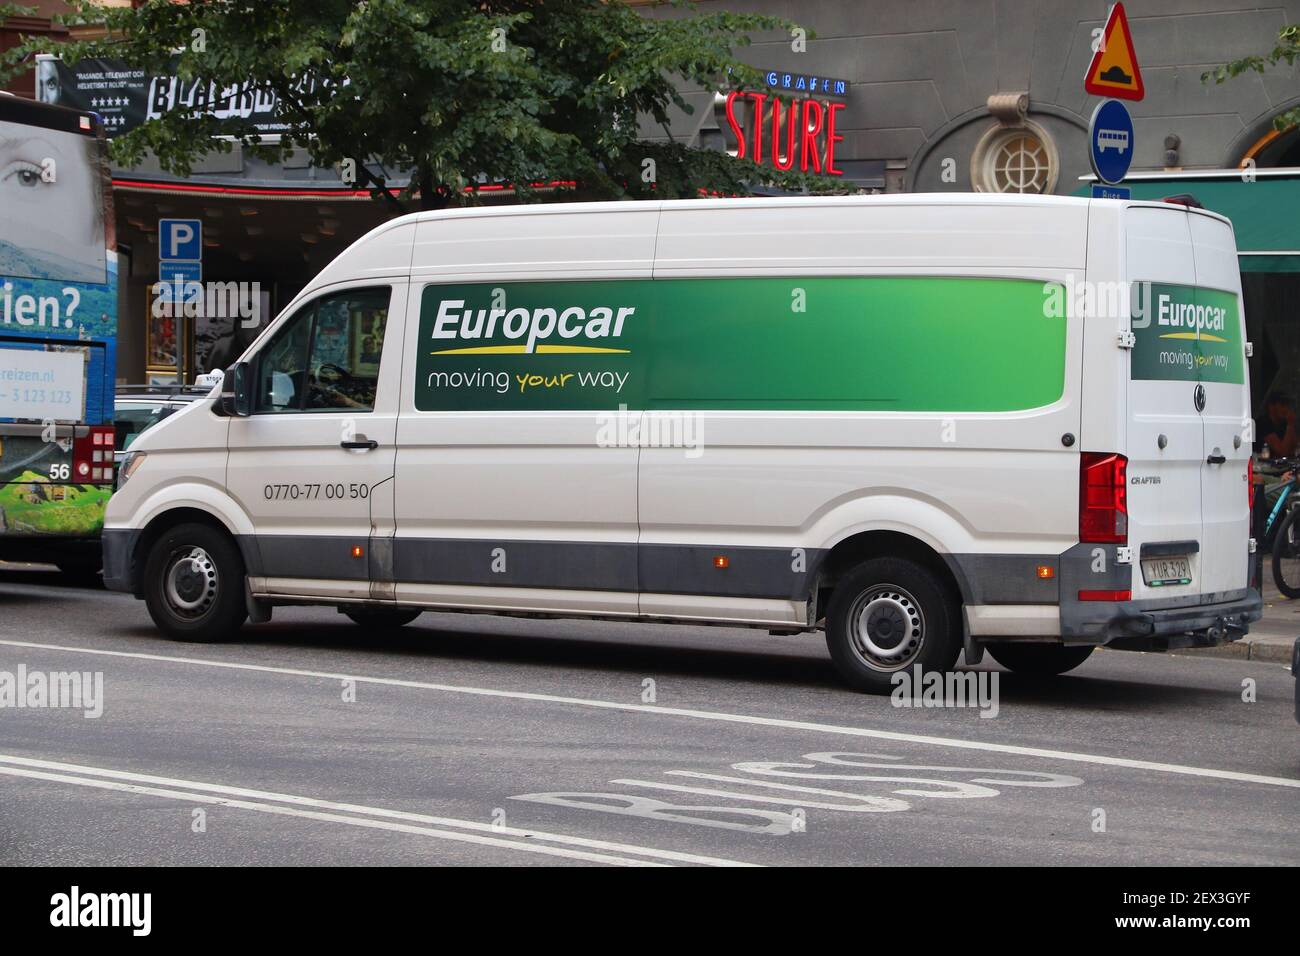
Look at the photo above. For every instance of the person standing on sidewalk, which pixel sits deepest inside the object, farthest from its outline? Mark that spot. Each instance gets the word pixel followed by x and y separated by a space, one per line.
pixel 1276 428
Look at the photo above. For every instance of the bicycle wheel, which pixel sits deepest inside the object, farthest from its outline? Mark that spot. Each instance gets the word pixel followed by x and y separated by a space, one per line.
pixel 1286 555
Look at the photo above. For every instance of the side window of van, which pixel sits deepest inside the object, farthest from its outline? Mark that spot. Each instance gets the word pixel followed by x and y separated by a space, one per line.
pixel 282 365
pixel 326 357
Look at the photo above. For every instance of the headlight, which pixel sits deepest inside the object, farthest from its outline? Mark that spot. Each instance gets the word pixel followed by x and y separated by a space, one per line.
pixel 133 461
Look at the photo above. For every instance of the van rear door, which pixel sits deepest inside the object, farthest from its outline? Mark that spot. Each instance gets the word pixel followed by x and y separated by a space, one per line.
pixel 1165 435
pixel 1225 492
pixel 1187 527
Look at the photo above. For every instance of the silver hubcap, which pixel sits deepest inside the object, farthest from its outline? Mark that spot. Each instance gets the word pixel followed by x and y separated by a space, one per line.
pixel 886 627
pixel 191 582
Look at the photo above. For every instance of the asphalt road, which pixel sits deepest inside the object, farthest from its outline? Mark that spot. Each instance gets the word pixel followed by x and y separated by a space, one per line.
pixel 482 740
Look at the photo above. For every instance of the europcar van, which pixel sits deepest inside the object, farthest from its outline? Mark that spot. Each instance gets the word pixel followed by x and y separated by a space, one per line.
pixel 922 423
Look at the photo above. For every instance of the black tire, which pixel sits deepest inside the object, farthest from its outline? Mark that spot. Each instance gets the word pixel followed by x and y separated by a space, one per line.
pixel 1286 555
pixel 382 618
pixel 194 584
pixel 1042 660
pixel 890 615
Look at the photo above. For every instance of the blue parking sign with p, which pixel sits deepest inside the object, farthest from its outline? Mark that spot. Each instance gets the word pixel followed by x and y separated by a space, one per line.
pixel 180 255
pixel 180 239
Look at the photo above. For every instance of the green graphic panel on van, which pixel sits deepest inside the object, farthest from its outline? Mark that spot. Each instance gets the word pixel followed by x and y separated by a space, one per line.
pixel 1185 333
pixel 887 343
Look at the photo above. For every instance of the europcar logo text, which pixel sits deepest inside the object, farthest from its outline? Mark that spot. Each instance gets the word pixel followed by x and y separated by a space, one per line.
pixel 534 326
pixel 1200 320
pixel 1196 317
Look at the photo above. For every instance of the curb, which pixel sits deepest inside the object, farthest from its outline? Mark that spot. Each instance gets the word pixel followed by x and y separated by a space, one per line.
pixel 1246 650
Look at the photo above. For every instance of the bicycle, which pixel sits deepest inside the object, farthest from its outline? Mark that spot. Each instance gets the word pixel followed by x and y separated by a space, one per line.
pixel 1282 529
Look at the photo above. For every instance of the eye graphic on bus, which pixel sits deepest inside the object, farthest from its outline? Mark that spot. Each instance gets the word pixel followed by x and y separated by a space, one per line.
pixel 51 204
pixel 21 173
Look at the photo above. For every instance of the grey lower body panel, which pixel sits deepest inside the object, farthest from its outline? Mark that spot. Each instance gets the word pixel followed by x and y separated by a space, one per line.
pixel 751 572
pixel 120 569
pixel 1005 578
pixel 773 573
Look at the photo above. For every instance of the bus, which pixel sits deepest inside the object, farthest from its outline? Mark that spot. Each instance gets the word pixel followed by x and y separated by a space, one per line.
pixel 58 332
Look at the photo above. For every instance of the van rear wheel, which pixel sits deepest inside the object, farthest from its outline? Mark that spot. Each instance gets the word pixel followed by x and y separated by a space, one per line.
pixel 382 618
pixel 194 584
pixel 887 616
pixel 1043 660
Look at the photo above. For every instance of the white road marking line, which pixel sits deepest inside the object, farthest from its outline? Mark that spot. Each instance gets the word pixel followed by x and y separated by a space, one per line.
pixel 145 783
pixel 1071 756
pixel 325 817
pixel 858 803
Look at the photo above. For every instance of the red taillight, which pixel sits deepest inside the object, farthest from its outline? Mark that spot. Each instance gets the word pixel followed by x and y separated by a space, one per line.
pixel 1250 482
pixel 92 456
pixel 1103 498
pixel 1125 595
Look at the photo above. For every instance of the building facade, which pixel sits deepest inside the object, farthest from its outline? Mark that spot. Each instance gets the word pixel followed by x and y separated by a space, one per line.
pixel 988 94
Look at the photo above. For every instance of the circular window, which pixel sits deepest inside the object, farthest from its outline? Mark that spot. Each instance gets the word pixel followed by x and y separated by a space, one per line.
pixel 1021 159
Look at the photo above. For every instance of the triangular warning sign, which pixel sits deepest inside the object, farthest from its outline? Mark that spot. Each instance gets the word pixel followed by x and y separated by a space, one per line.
pixel 1114 69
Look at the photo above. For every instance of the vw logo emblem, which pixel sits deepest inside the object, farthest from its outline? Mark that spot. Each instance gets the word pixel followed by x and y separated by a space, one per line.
pixel 1198 397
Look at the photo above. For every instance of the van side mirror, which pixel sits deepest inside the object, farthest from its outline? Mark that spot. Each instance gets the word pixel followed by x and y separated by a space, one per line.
pixel 237 391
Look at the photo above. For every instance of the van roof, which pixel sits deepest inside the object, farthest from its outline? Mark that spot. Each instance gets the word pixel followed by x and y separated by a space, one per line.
pixel 374 242
pixel 770 202
pixel 776 202
pixel 750 202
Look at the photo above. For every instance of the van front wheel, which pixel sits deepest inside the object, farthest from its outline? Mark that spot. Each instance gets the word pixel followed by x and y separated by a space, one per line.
pixel 194 584
pixel 890 615
pixel 1043 660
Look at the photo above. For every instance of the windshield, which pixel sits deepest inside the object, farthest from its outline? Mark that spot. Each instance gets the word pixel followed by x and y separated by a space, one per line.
pixel 133 418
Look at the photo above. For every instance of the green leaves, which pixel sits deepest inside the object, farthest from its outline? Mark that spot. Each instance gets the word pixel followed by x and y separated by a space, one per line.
pixel 447 92
pixel 1287 50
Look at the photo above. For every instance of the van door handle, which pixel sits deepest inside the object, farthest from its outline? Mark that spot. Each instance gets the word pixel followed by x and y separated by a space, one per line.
pixel 1216 460
pixel 362 442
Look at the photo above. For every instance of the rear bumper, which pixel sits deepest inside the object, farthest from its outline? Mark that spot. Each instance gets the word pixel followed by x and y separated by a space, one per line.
pixel 1137 626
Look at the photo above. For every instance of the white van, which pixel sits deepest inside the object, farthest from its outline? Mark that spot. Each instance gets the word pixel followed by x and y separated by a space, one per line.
pixel 921 422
